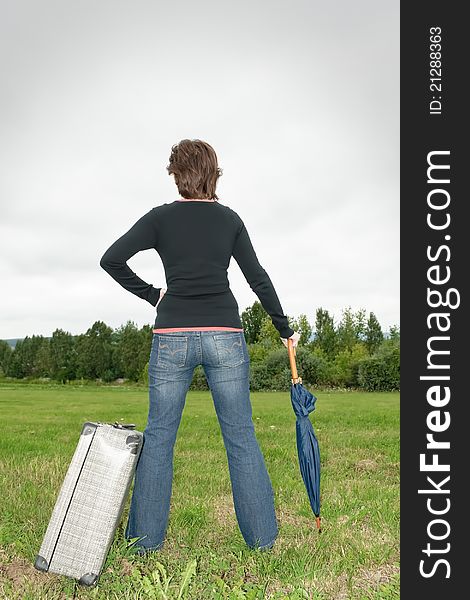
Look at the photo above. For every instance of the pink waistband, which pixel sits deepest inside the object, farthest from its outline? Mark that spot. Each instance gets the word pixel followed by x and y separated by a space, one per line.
pixel 166 329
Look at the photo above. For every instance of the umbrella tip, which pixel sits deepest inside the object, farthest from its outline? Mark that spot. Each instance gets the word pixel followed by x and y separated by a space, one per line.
pixel 318 521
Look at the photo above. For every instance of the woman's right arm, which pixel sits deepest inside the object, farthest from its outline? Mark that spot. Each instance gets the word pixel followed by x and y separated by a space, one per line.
pixel 141 236
pixel 259 281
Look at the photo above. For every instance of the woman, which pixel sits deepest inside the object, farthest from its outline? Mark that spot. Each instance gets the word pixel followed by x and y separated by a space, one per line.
pixel 197 323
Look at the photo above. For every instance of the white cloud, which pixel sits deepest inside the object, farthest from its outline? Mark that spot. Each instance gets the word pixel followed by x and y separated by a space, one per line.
pixel 300 101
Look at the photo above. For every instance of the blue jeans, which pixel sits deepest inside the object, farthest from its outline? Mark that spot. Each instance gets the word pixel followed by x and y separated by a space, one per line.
pixel 226 362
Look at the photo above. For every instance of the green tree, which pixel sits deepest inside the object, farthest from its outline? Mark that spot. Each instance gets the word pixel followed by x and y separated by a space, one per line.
pixel 128 356
pixel 42 360
pixel 6 352
pixel 63 356
pixel 27 354
pixel 15 368
pixel 24 360
pixel 144 374
pixel 303 327
pixel 146 336
pixel 374 334
pixel 269 335
pixel 351 328
pixel 81 362
pixel 346 364
pixel 252 319
pixel 390 343
pixel 95 352
pixel 325 333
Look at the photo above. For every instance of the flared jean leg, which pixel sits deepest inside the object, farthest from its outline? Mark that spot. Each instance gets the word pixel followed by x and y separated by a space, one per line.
pixel 150 504
pixel 252 490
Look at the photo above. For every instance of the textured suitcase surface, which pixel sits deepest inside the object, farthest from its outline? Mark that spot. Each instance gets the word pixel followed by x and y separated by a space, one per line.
pixel 90 502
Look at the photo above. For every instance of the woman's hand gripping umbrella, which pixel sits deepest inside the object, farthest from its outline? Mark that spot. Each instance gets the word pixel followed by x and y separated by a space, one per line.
pixel 303 403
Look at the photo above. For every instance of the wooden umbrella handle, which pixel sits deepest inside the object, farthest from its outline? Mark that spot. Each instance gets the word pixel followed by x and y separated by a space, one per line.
pixel 293 366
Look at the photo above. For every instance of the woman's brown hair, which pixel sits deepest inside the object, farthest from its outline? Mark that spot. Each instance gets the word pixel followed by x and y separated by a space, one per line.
pixel 194 165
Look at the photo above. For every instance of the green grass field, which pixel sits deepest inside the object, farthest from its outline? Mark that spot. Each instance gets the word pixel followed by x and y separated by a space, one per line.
pixel 355 557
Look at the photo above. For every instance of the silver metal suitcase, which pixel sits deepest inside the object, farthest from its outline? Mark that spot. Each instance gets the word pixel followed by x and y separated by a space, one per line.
pixel 90 502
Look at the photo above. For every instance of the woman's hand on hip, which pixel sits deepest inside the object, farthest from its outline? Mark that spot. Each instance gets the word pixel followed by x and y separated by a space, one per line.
pixel 295 337
pixel 162 293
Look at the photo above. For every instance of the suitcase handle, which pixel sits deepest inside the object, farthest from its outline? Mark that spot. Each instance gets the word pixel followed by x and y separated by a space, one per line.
pixel 116 424
pixel 123 425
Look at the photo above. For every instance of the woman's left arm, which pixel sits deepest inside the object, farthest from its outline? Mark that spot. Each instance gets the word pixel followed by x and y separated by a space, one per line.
pixel 141 236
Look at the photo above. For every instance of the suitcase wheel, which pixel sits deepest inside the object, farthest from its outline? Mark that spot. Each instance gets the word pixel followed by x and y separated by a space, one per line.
pixel 89 579
pixel 41 563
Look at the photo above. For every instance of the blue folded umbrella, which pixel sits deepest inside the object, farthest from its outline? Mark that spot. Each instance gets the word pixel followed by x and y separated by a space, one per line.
pixel 303 403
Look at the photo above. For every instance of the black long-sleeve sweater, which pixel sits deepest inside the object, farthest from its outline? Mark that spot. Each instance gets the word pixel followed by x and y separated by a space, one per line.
pixel 195 240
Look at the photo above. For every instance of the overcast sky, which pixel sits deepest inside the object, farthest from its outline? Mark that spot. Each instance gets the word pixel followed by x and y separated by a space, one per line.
pixel 299 99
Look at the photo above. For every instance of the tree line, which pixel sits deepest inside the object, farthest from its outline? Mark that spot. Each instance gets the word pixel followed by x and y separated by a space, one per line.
pixel 354 352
